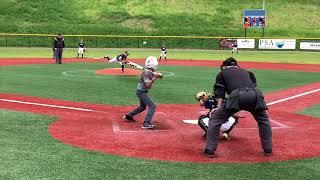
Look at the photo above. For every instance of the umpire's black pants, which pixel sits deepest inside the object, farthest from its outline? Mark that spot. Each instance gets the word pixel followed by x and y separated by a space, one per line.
pixel 58 55
pixel 247 101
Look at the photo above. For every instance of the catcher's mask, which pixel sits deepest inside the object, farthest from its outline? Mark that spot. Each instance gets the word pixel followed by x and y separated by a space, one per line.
pixel 228 62
pixel 202 96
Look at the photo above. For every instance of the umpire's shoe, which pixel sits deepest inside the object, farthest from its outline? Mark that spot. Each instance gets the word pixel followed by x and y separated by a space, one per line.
pixel 209 153
pixel 267 152
pixel 128 118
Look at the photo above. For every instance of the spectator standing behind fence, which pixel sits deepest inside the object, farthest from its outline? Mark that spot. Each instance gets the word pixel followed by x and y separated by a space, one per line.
pixel 58 46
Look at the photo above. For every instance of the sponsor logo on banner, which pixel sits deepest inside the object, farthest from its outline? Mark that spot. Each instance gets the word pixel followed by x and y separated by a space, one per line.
pixel 227 43
pixel 310 45
pixel 277 44
pixel 245 43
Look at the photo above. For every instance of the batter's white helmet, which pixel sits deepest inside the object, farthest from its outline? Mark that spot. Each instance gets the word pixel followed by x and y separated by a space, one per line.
pixel 152 62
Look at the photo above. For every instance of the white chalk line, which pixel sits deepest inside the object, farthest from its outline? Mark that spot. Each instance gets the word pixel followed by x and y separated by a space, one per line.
pixel 292 97
pixel 75 73
pixel 91 110
pixel 47 105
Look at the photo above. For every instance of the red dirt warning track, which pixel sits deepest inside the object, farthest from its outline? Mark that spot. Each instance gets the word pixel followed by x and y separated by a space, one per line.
pixel 100 128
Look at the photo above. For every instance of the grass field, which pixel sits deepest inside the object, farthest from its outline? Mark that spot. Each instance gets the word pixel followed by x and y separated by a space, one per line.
pixel 169 17
pixel 29 152
pixel 299 57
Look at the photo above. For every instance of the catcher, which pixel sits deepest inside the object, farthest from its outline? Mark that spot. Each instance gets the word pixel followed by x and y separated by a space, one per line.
pixel 122 60
pixel 209 102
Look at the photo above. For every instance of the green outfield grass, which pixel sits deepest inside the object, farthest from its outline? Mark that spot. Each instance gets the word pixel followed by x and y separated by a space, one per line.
pixel 295 18
pixel 301 57
pixel 313 111
pixel 29 152
pixel 81 84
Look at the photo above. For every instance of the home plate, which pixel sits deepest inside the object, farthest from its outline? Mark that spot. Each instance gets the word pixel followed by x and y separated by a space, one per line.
pixel 190 121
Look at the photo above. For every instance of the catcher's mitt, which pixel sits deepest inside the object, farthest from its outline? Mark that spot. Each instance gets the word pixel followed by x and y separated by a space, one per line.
pixel 202 96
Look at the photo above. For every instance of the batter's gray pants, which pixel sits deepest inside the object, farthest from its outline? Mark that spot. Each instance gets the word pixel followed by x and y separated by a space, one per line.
pixel 145 100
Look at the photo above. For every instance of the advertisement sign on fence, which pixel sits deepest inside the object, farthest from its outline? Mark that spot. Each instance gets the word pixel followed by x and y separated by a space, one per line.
pixel 310 45
pixel 227 43
pixel 277 44
pixel 246 43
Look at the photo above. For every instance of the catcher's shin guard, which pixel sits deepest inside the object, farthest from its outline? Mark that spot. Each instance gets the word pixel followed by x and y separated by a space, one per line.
pixel 202 124
pixel 233 125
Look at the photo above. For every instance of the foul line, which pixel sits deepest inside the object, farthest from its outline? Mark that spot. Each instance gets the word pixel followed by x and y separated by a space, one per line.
pixel 48 105
pixel 90 110
pixel 292 97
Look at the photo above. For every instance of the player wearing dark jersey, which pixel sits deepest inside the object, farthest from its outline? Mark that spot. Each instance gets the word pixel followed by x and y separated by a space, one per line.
pixel 122 60
pixel 209 102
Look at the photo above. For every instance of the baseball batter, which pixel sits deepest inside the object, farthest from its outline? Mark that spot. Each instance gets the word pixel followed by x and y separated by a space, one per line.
pixel 148 77
pixel 209 102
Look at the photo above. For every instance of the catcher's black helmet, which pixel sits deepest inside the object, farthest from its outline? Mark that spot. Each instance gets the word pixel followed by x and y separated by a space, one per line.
pixel 229 62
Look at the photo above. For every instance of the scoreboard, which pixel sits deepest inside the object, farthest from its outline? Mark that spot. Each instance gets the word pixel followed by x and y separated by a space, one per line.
pixel 255 18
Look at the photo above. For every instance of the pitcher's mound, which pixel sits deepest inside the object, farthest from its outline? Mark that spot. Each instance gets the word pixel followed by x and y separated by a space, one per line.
pixel 118 72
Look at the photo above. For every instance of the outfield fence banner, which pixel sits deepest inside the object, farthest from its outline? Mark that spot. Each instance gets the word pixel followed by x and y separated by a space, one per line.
pixel 246 43
pixel 277 44
pixel 227 43
pixel 310 45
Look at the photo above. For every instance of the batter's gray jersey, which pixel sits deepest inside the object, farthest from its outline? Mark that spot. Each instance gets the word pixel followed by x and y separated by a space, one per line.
pixel 146 76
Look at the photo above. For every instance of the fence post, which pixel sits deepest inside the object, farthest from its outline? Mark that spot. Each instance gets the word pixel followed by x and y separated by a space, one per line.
pixel 96 42
pixel 29 41
pixel 202 43
pixel 6 40
pixel 117 42
pixel 138 42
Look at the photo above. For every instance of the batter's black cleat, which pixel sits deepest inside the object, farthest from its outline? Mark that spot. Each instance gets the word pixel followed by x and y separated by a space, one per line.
pixel 209 153
pixel 128 118
pixel 267 152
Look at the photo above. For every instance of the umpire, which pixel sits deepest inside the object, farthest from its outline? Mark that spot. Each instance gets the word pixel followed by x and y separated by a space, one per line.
pixel 58 46
pixel 240 85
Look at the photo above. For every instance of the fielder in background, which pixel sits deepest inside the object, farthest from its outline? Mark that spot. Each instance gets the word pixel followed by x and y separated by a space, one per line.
pixel 81 49
pixel 163 52
pixel 235 48
pixel 209 102
pixel 148 77
pixel 240 85
pixel 122 60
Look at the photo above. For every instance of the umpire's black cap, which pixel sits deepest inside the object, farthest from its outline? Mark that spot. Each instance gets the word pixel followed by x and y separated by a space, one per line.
pixel 229 62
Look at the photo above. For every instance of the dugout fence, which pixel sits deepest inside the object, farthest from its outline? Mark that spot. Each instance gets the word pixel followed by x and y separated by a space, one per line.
pixel 113 41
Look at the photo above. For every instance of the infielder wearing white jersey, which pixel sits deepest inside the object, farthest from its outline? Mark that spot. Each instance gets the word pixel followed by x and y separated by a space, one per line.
pixel 163 52
pixel 235 48
pixel 81 49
